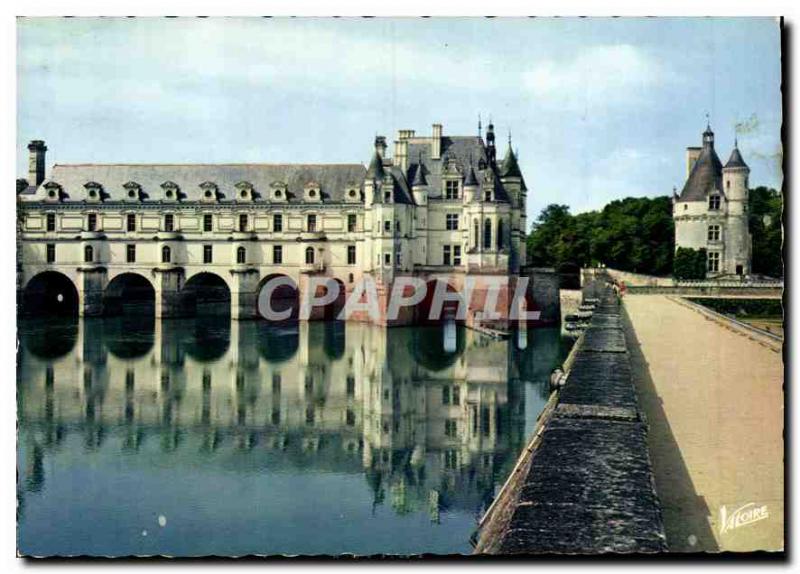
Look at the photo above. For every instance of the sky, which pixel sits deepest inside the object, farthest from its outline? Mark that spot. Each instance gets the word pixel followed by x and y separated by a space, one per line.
pixel 598 109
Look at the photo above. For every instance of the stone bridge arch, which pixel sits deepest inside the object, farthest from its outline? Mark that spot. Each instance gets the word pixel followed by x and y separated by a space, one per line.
pixel 206 293
pixel 130 293
pixel 50 293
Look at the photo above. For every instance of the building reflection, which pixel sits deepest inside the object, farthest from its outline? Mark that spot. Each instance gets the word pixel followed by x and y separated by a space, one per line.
pixel 432 417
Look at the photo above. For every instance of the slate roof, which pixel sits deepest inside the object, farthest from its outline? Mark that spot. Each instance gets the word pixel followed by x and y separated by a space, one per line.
pixel 375 169
pixel 463 151
pixel 510 166
pixel 334 180
pixel 736 159
pixel 470 179
pixel 705 175
pixel 400 188
pixel 418 177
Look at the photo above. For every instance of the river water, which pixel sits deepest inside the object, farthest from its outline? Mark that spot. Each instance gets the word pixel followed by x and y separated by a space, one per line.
pixel 210 437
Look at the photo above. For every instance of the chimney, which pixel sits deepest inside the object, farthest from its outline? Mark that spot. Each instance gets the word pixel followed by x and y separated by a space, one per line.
pixel 37 151
pixel 436 142
pixel 692 153
pixel 380 145
pixel 401 153
pixel 405 134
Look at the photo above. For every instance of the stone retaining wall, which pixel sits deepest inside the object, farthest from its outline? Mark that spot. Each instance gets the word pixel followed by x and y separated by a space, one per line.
pixel 587 487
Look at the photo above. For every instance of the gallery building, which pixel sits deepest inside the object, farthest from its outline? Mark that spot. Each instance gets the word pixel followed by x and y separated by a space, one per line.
pixel 93 236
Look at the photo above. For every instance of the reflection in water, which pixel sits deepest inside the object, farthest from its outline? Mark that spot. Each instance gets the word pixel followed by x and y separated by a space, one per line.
pixel 299 438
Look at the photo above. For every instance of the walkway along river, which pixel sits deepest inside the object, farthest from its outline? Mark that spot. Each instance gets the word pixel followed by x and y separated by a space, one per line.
pixel 584 484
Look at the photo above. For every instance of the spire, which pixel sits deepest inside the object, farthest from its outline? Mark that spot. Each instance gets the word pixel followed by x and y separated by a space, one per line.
pixel 480 131
pixel 510 167
pixel 375 169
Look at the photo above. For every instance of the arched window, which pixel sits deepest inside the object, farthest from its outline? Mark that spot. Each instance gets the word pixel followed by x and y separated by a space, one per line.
pixel 487 234
pixel 500 234
pixel 477 235
pixel 309 255
pixel 88 254
pixel 241 255
pixel 166 254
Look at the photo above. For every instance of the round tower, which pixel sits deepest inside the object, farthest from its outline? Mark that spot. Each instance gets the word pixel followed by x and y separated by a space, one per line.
pixel 735 178
pixel 419 185
pixel 736 234
pixel 375 175
pixel 470 185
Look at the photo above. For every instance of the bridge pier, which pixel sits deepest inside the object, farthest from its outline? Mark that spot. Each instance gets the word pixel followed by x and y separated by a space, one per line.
pixel 169 300
pixel 92 283
pixel 543 287
pixel 244 294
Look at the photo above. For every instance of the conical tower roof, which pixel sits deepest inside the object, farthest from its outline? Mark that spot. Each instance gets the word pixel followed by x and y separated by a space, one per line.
pixel 510 167
pixel 375 169
pixel 736 159
pixel 470 180
pixel 419 176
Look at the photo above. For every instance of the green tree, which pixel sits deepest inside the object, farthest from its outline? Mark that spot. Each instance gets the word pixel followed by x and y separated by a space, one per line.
pixel 689 263
pixel 765 207
pixel 632 234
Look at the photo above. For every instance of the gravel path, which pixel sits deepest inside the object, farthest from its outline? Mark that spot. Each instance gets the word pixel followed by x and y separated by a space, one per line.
pixel 714 402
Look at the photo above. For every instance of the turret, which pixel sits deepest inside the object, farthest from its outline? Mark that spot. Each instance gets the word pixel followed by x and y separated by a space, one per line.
pixel 734 176
pixel 37 151
pixel 470 185
pixel 511 177
pixel 419 184
pixel 375 175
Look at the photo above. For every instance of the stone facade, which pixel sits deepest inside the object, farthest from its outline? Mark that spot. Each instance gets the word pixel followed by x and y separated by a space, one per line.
pixel 440 207
pixel 711 211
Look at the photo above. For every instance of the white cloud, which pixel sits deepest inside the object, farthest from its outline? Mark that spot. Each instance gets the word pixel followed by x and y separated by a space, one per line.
pixel 599 76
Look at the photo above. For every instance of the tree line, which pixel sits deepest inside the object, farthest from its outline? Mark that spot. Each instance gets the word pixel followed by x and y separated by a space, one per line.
pixel 637 234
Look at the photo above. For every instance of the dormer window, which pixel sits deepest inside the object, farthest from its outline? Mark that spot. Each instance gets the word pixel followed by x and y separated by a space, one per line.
pixel 487 195
pixel 171 190
pixel 278 191
pixel 245 189
pixel 94 191
pixel 132 190
pixel 54 191
pixel 714 202
pixel 312 191
pixel 210 191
